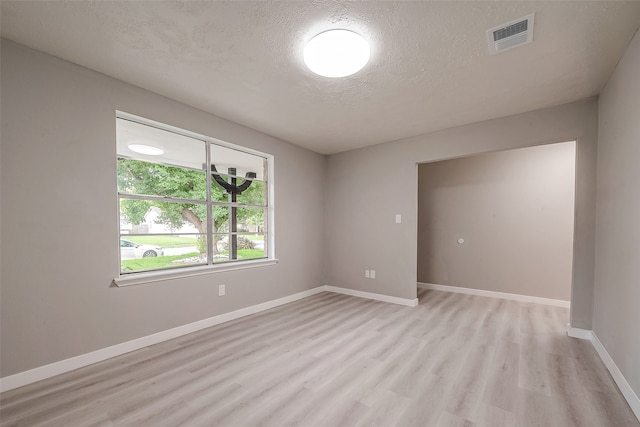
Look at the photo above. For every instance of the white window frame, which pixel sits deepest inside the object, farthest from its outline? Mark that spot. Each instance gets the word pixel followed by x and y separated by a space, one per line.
pixel 136 278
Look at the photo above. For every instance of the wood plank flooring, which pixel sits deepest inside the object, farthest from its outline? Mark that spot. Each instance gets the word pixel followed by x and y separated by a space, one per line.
pixel 335 360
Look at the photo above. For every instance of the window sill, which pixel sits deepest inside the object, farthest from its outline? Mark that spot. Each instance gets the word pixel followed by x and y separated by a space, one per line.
pixel 158 276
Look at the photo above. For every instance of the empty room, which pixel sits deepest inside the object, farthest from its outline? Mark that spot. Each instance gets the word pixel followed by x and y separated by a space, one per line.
pixel 292 213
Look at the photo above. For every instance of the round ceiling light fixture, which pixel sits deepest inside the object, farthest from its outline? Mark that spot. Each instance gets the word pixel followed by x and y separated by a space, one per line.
pixel 336 53
pixel 146 149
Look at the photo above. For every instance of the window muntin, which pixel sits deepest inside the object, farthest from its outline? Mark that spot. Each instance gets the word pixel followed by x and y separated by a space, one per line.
pixel 169 204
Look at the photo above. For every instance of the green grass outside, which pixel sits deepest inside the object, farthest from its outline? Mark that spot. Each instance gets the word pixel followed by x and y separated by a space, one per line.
pixel 152 263
pixel 163 241
pixel 250 253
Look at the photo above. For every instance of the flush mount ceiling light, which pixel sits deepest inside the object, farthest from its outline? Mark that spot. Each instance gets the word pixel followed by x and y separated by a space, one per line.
pixel 336 53
pixel 146 149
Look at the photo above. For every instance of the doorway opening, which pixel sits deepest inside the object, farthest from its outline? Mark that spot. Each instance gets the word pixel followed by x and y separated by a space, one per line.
pixel 499 224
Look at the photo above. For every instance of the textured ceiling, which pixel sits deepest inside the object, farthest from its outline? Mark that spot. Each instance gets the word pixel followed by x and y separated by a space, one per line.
pixel 430 66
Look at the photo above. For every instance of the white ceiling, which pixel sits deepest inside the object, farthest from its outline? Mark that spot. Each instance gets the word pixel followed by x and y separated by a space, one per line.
pixel 430 66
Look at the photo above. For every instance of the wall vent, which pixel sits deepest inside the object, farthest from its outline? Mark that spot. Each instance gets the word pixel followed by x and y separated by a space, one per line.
pixel 511 34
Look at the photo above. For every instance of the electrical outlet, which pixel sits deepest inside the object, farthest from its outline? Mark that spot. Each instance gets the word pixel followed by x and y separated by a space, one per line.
pixel 222 290
pixel 366 274
pixel 372 274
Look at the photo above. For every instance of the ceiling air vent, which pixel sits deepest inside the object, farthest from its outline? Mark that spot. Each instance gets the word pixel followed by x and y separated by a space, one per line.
pixel 511 34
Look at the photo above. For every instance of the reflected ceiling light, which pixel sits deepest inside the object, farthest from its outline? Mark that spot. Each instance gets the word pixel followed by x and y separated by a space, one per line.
pixel 336 53
pixel 146 149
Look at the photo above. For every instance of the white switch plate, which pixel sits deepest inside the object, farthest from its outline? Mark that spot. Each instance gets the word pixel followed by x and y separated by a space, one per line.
pixel 366 274
pixel 222 289
pixel 398 218
pixel 373 274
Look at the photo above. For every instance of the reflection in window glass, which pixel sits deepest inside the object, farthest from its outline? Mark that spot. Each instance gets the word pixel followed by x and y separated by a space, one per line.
pixel 231 161
pixel 169 148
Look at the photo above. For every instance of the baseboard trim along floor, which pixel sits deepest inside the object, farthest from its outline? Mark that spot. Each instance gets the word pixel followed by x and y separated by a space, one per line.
pixel 373 296
pixel 621 381
pixel 632 398
pixel 494 294
pixel 583 334
pixel 56 368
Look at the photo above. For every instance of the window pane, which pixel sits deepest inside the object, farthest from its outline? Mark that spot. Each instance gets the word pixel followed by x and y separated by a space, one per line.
pixel 249 246
pixel 144 253
pixel 152 179
pixel 248 220
pixel 257 248
pixel 253 194
pixel 158 217
pixel 221 248
pixel 218 192
pixel 224 158
pixel 175 149
pixel 251 220
pixel 220 216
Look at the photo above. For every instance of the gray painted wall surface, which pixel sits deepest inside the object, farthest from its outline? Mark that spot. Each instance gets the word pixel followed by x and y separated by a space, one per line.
pixel 514 209
pixel 58 184
pixel 367 187
pixel 60 220
pixel 617 285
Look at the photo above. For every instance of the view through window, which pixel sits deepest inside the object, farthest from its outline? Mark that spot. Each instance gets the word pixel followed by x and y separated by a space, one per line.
pixel 187 200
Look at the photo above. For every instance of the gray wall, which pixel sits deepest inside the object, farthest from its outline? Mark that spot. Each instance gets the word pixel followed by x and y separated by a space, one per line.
pixel 514 209
pixel 58 188
pixel 617 285
pixel 367 187
pixel 60 220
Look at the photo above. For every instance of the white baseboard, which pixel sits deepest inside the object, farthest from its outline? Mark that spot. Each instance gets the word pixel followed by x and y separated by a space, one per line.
pixel 583 334
pixel 373 296
pixel 621 381
pixel 494 294
pixel 47 371
pixel 628 393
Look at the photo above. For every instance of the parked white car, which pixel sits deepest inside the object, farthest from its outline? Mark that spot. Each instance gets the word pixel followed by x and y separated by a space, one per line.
pixel 130 250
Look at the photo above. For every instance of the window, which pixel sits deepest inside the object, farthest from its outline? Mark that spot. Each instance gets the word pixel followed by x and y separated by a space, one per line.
pixel 186 200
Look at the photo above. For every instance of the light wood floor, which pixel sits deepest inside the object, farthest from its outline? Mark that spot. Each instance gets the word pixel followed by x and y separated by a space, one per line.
pixel 334 360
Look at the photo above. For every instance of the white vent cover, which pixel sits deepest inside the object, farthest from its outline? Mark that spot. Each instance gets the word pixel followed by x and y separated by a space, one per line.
pixel 511 34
